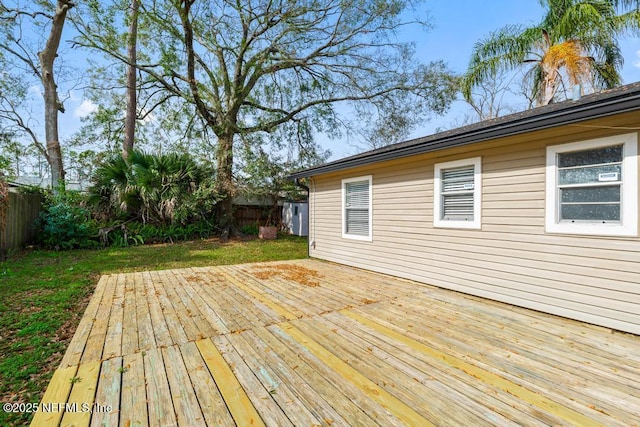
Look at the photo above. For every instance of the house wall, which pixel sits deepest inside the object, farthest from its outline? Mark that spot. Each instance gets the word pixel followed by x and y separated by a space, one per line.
pixel 511 258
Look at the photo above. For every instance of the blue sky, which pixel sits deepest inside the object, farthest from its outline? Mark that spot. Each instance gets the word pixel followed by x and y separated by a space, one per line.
pixel 457 26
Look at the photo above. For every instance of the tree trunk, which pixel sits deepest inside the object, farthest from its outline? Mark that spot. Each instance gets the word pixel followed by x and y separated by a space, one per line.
pixel 224 184
pixel 550 86
pixel 52 103
pixel 130 120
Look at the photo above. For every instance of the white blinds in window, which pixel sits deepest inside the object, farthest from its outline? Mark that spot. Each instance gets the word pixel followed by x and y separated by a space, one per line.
pixel 357 208
pixel 457 193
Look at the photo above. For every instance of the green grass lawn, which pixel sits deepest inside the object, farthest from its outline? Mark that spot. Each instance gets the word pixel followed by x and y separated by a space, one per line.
pixel 43 295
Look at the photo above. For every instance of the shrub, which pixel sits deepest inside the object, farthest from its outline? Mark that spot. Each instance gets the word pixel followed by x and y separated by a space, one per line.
pixel 159 189
pixel 65 223
pixel 137 233
pixel 250 229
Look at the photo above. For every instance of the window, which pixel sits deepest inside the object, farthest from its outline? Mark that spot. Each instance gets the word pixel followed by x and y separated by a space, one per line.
pixel 592 187
pixel 356 208
pixel 457 194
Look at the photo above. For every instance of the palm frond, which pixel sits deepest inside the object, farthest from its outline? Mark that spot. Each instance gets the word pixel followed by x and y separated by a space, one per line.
pixel 576 40
pixel 504 49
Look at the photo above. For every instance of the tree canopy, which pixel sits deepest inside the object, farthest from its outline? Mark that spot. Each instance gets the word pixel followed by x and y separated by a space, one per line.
pixel 276 68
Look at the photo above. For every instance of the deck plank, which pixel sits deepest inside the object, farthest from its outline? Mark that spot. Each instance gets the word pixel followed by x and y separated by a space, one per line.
pixel 486 376
pixel 159 403
pixel 212 403
pixel 113 337
pixel 188 298
pixel 284 308
pixel 182 307
pixel 198 287
pixel 96 339
pixel 108 394
pixel 78 342
pixel 541 352
pixel 130 342
pixel 133 396
pixel 213 295
pixel 489 402
pixel 332 393
pixel 228 346
pixel 57 393
pixel 161 334
pixel 234 315
pixel 584 384
pixel 315 399
pixel 271 414
pixel 396 406
pixel 146 335
pixel 185 402
pixel 82 395
pixel 280 387
pixel 175 328
pixel 242 409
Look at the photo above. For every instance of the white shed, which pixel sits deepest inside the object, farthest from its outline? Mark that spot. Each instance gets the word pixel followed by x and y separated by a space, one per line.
pixel 295 217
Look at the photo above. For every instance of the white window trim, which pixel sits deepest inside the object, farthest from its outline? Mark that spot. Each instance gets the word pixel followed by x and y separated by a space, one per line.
pixel 629 194
pixel 476 162
pixel 345 235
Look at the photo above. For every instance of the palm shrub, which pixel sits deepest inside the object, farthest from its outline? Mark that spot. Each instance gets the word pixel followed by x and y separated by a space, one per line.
pixel 160 189
pixel 114 195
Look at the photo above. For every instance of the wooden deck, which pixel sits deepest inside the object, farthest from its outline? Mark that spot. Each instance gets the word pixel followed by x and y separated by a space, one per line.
pixel 309 343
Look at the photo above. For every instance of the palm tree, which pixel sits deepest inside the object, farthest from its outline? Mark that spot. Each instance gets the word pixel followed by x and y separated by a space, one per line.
pixel 145 186
pixel 575 43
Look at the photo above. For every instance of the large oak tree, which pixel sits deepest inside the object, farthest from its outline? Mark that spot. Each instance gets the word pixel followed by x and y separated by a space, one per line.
pixel 256 66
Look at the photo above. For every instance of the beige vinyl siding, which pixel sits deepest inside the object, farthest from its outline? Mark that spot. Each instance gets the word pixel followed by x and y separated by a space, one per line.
pixel 511 259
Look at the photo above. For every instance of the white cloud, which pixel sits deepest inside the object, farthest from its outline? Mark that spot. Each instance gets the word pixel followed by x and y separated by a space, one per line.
pixel 636 63
pixel 35 91
pixel 85 108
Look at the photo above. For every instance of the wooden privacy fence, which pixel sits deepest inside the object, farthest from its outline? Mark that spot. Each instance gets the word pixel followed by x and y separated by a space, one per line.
pixel 258 215
pixel 17 213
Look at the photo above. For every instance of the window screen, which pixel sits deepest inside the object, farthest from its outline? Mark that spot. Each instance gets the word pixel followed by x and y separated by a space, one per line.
pixel 589 185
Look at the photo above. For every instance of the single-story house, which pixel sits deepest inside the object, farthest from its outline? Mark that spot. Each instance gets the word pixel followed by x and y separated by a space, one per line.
pixel 538 209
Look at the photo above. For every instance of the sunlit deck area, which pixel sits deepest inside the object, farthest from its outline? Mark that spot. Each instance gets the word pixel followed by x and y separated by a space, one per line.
pixel 310 343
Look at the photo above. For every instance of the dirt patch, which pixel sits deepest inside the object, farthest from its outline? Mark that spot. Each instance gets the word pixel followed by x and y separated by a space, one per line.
pixel 295 273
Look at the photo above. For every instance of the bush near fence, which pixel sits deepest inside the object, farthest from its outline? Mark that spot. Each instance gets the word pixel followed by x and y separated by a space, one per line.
pixel 17 229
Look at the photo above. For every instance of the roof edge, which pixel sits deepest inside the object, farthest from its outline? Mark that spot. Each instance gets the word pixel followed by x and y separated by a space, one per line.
pixel 616 101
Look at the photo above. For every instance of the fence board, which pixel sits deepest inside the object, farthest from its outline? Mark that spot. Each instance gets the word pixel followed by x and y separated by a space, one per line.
pixel 19 231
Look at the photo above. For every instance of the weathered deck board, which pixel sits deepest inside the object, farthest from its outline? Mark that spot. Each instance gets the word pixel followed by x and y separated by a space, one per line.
pixel 79 341
pixel 109 386
pixel 130 341
pixel 160 405
pixel 211 401
pixel 133 395
pixel 332 393
pixel 314 343
pixel 525 357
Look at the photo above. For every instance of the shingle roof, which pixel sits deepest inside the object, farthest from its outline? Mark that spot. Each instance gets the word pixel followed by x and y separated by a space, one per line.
pixel 615 101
